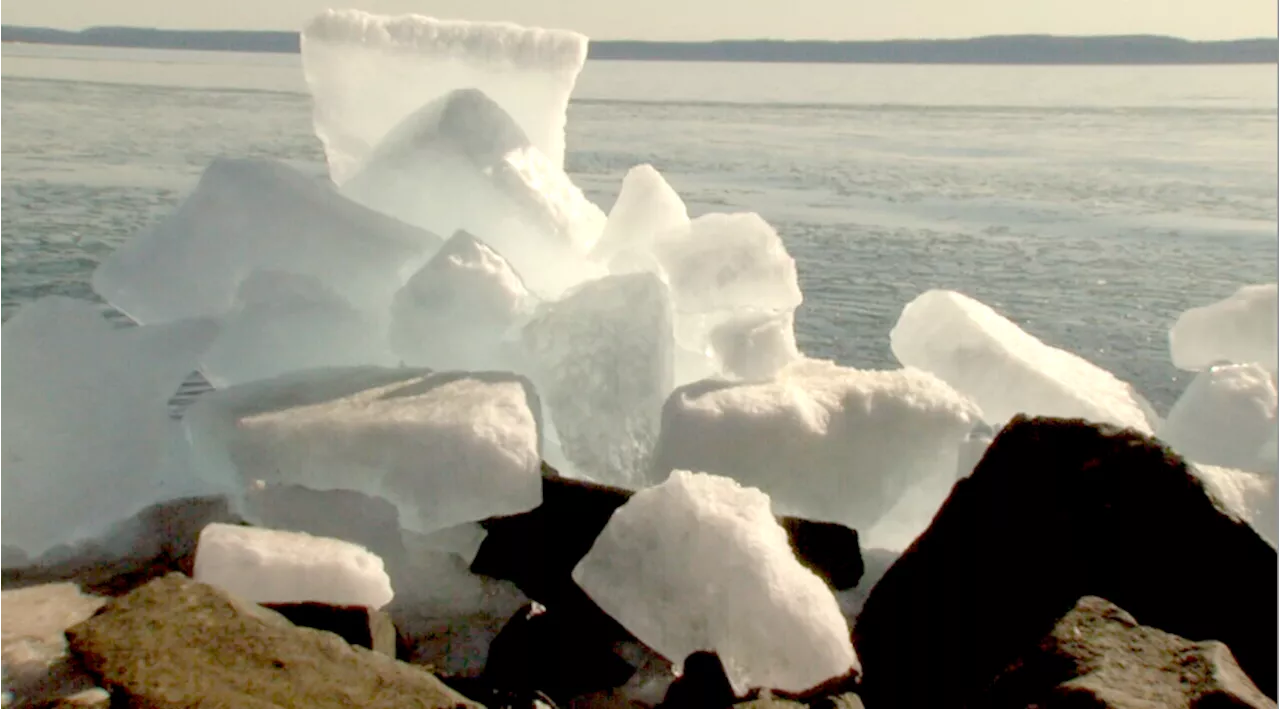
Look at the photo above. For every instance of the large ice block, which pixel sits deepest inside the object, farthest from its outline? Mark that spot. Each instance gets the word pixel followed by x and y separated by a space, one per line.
pixel 646 206
pixel 457 312
pixel 603 360
pixel 461 162
pixel 86 425
pixel 367 72
pixel 1224 417
pixel 1239 329
pixel 754 344
pixel 825 442
pixel 283 322
pixel 444 448
pixel 276 566
pixel 700 563
pixel 246 215
pixel 1007 371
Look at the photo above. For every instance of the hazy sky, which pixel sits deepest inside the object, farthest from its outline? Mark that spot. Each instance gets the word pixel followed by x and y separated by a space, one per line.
pixel 706 19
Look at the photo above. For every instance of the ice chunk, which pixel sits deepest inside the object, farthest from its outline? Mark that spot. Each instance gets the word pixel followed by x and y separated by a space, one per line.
pixel 445 448
pixel 728 262
pixel 825 442
pixel 700 563
pixel 1007 371
pixel 282 322
pixel 1239 329
pixel 86 426
pixel 258 214
pixel 646 206
pixel 461 162
pixel 273 566
pixel 1251 496
pixel 603 362
pixel 457 310
pixel 1224 417
pixel 755 345
pixel 367 72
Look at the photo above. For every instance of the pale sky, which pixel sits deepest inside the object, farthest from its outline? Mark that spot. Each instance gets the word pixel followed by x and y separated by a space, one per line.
pixel 704 19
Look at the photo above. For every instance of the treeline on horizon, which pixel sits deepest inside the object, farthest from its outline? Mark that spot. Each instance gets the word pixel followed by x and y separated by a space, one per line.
pixel 1016 49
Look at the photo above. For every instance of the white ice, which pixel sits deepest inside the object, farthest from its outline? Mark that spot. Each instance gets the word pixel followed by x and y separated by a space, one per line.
pixel 825 442
pixel 1007 371
pixel 1224 417
pixel 1251 496
pixel 457 311
pixel 445 448
pixel 646 206
pixel 368 72
pixel 754 345
pixel 282 322
pixel 700 563
pixel 246 215
pixel 86 424
pixel 276 566
pixel 1239 329
pixel 461 162
pixel 603 361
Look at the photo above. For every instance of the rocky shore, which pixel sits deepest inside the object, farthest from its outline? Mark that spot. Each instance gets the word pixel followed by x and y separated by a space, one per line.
pixel 1078 565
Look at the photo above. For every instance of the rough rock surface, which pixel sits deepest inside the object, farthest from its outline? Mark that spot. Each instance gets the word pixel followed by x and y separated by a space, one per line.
pixel 1098 655
pixel 1056 510
pixel 37 669
pixel 219 651
pixel 158 540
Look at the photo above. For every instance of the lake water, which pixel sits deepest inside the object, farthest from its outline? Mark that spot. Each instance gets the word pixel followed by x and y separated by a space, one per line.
pixel 1089 204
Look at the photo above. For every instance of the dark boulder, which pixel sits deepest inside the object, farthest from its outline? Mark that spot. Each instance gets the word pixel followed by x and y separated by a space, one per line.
pixel 1097 655
pixel 703 685
pixel 178 643
pixel 358 625
pixel 1056 510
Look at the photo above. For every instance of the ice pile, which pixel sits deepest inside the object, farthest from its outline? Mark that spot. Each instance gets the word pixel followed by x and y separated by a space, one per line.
pixel 1225 417
pixel 1240 329
pixel 273 566
pixel 700 563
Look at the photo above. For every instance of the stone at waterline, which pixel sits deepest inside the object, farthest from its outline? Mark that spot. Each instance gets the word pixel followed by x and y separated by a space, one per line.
pixel 1099 655
pixel 245 656
pixel 1070 509
pixel 358 625
pixel 37 668
pixel 702 685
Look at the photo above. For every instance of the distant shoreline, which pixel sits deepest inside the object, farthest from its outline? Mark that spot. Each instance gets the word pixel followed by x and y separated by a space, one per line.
pixel 1013 49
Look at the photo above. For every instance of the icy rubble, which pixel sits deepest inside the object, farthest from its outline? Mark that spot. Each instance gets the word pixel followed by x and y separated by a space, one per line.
pixel 825 442
pixel 1224 418
pixel 1239 329
pixel 275 566
pixel 1006 370
pixel 367 72
pixel 700 563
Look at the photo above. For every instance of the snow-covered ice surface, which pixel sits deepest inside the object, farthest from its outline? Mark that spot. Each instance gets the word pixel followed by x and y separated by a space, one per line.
pixel 456 312
pixel 444 448
pixel 1224 418
pixel 258 214
pixel 1249 495
pixel 282 322
pixel 275 566
pixel 603 361
pixel 1006 370
pixel 368 72
pixel 87 432
pixel 825 442
pixel 1239 329
pixel 461 162
pixel 700 563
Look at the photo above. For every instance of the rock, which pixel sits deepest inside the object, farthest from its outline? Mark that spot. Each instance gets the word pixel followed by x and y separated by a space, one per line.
pixel 1056 510
pixel 37 667
pixel 178 643
pixel 848 700
pixel 704 685
pixel 1097 655
pixel 877 562
pixel 556 653
pixel 358 625
pixel 158 540
pixel 537 550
